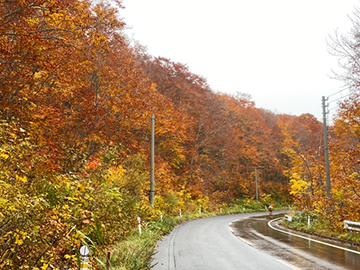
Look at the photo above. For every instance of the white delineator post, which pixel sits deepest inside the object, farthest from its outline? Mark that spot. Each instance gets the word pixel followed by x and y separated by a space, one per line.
pixel 139 224
pixel 84 260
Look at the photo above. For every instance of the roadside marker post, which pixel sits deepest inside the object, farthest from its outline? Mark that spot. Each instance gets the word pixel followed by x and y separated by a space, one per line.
pixel 180 213
pixel 139 224
pixel 84 260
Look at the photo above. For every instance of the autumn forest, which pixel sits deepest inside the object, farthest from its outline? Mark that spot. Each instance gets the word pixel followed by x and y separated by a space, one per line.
pixel 76 100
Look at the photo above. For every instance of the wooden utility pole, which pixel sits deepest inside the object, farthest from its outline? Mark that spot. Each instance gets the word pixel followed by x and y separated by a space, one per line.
pixel 256 186
pixel 326 151
pixel 152 181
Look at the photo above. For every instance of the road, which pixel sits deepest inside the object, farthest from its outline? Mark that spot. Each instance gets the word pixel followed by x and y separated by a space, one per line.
pixel 302 251
pixel 220 243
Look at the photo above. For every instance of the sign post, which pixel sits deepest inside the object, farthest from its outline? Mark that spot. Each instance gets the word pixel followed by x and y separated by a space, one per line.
pixel 84 260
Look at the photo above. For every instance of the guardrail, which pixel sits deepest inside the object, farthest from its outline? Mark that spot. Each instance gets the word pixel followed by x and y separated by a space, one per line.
pixel 351 225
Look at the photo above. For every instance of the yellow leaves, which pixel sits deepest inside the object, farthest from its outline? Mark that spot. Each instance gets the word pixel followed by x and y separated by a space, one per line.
pixel 319 206
pixel 56 17
pixel 288 151
pixel 36 229
pixel 22 179
pixel 3 201
pixel 298 186
pixel 20 236
pixel 4 155
pixel 32 20
pixel 73 199
pixel 101 42
pixel 19 241
pixel 43 267
pixel 40 74
pixel 202 202
pixel 116 173
pixel 67 256
pixel 153 87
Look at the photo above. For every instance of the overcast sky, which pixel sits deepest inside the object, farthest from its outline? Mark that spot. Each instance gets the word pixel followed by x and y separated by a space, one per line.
pixel 273 50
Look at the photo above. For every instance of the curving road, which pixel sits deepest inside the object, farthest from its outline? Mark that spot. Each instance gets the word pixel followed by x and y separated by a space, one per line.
pixel 249 243
pixel 207 244
pixel 302 251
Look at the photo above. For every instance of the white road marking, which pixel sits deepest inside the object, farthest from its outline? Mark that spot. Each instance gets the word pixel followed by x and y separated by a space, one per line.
pixel 245 241
pixel 310 239
pixel 242 239
pixel 289 265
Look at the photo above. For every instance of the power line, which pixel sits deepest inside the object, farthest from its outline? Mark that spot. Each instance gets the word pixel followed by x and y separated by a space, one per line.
pixel 333 108
pixel 329 102
pixel 334 98
pixel 326 114
pixel 346 88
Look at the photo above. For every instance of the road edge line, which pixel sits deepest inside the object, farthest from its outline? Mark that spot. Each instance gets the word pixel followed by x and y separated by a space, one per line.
pixel 310 239
pixel 245 241
pixel 238 237
pixel 288 264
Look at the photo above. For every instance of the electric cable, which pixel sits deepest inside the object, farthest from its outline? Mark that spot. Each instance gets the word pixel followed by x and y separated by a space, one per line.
pixel 347 88
pixel 339 98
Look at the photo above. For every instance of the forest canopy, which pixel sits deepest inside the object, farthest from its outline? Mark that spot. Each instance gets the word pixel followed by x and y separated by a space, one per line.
pixel 75 106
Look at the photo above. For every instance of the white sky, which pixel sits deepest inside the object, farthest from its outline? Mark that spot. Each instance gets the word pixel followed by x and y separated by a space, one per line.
pixel 274 50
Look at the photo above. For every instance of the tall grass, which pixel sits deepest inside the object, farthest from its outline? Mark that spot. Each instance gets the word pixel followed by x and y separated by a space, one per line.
pixel 134 253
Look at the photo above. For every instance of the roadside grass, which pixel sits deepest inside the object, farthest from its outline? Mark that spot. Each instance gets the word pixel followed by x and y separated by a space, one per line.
pixel 320 227
pixel 135 252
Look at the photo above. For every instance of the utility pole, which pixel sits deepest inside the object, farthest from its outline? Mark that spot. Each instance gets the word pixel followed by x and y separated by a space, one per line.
pixel 326 151
pixel 256 186
pixel 152 181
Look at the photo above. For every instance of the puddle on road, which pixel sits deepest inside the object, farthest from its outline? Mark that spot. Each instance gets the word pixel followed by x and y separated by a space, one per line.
pixel 303 253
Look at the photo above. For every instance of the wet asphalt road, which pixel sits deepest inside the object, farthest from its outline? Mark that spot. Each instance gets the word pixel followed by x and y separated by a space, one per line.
pixel 304 252
pixel 207 244
pixel 249 243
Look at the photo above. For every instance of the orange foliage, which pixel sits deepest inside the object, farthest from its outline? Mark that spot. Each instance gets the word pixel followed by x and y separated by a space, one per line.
pixel 75 107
